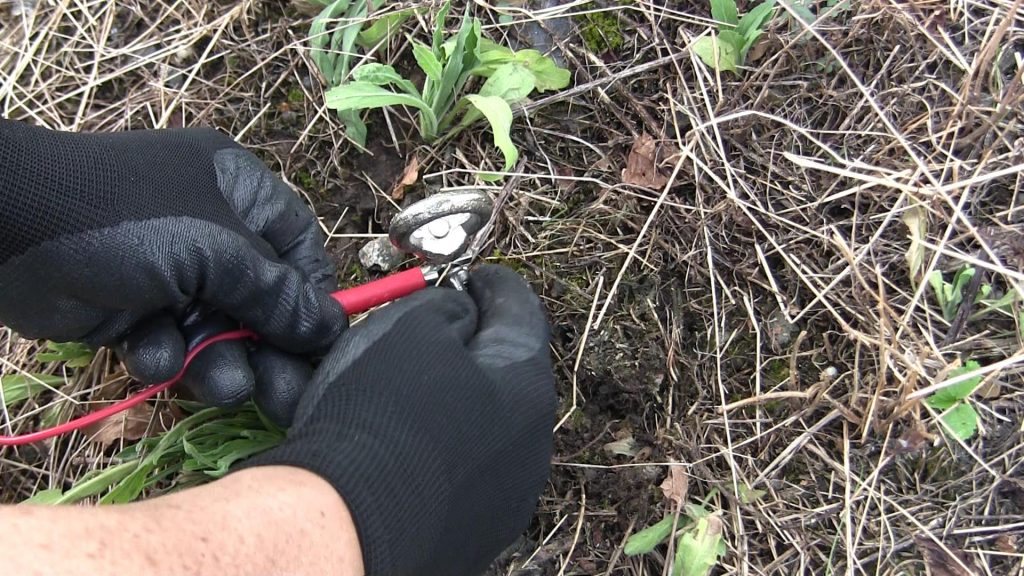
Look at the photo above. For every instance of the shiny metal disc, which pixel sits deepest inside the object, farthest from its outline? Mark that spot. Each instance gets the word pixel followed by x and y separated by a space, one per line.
pixel 441 227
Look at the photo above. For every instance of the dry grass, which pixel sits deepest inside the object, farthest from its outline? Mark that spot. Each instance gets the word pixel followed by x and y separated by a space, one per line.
pixel 755 320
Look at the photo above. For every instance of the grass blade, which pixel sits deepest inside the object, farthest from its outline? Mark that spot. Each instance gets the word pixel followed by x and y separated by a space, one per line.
pixel 753 22
pixel 19 387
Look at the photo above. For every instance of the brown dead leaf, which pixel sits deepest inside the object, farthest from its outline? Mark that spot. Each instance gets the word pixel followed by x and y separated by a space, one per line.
pixel 602 165
pixel 676 485
pixel 111 390
pixel 916 221
pixel 915 438
pixel 1007 543
pixel 759 49
pixel 566 178
pixel 643 166
pixel 991 389
pixel 943 560
pixel 128 425
pixel 410 176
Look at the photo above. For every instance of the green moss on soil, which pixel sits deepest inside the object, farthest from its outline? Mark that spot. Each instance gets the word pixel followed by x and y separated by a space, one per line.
pixel 601 32
pixel 777 371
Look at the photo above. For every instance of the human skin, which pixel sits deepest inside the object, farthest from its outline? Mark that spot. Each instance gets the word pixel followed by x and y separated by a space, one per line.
pixel 264 520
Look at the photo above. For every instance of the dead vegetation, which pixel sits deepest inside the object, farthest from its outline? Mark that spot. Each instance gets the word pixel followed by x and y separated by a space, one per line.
pixel 735 265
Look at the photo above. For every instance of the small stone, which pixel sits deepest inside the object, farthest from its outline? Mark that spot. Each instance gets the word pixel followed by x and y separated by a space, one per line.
pixel 380 254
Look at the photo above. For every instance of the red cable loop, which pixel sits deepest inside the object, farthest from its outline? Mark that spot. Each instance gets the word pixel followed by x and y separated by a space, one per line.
pixel 352 300
pixel 138 398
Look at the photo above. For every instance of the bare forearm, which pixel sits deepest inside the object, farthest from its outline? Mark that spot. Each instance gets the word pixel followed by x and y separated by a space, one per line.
pixel 272 520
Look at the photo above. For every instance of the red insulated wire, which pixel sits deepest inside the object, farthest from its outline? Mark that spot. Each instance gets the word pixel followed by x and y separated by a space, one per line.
pixel 352 300
pixel 138 398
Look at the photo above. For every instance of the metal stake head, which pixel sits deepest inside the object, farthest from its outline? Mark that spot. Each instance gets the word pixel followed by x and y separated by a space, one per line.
pixel 441 227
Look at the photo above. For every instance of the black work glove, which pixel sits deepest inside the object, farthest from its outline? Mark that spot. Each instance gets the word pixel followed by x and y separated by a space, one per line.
pixel 118 239
pixel 433 419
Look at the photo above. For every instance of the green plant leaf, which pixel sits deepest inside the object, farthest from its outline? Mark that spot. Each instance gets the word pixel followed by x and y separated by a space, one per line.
pixel 547 74
pixel 756 20
pixel 935 280
pixel 49 496
pixel 91 484
pixel 215 458
pixel 733 39
pixel 355 128
pixel 942 293
pixel 802 11
pixel 724 12
pixel 442 15
pixel 753 22
pixel 698 549
pixel 130 488
pixel 427 61
pixel 320 38
pixel 383 75
pixel 95 484
pixel 499 115
pixel 492 55
pixel 721 56
pixel 961 421
pixel 333 36
pixel 74 354
pixel 984 292
pixel 961 279
pixel 19 387
pixel 365 95
pixel 695 511
pixel 457 68
pixel 344 40
pixel 647 539
pixel 950 395
pixel 51 416
pixel 750 495
pixel 511 82
pixel 1002 304
pixel 382 29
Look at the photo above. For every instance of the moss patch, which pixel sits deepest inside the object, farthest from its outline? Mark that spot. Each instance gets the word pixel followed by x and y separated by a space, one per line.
pixel 601 32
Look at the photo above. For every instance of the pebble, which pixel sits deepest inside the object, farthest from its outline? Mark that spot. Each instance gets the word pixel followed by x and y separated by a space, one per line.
pixel 381 255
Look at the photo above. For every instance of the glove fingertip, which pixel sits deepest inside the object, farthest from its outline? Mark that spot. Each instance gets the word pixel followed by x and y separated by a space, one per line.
pixel 154 353
pixel 281 379
pixel 512 318
pixel 220 375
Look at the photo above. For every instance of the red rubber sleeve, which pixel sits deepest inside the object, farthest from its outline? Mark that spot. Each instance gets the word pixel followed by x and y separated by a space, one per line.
pixel 372 294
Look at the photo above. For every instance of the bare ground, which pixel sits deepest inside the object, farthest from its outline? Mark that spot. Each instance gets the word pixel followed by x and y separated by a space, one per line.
pixel 758 314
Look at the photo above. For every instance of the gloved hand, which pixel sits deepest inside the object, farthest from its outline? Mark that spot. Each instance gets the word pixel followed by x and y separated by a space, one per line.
pixel 433 420
pixel 118 239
